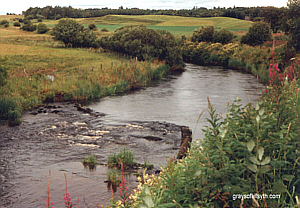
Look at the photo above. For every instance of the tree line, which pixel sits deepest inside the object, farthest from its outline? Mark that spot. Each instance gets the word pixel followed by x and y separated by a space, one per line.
pixel 249 13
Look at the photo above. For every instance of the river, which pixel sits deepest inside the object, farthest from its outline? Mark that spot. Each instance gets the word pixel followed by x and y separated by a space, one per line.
pixel 181 98
pixel 57 136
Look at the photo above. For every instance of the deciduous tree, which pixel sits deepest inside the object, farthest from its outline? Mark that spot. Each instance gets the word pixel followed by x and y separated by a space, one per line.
pixel 258 33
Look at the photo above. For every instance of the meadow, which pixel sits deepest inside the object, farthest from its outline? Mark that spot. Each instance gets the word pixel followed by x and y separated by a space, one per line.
pixel 175 24
pixel 41 69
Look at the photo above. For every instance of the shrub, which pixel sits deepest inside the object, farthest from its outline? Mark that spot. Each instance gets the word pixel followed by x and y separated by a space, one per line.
pixel 11 110
pixel 203 34
pixel 3 22
pixel 252 150
pixel 14 118
pixel 145 44
pixel 72 33
pixel 42 28
pixel 29 26
pixel 104 30
pixel 40 20
pixel 92 26
pixel 258 33
pixel 17 24
pixel 223 36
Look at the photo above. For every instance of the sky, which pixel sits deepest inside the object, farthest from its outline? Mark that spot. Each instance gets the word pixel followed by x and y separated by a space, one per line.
pixel 17 6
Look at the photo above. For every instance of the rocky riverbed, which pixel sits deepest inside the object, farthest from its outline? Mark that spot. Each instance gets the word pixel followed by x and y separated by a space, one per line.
pixel 57 137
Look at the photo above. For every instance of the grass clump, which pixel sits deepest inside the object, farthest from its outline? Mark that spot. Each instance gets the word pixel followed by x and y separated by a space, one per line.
pixel 126 156
pixel 113 177
pixel 90 161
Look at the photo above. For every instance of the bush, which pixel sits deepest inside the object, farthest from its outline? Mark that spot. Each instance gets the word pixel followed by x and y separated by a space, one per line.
pixel 145 44
pixel 17 24
pixel 104 30
pixel 3 22
pixel 223 36
pixel 72 33
pixel 14 118
pixel 258 33
pixel 42 28
pixel 253 150
pixel 203 34
pixel 92 26
pixel 29 26
pixel 40 20
pixel 11 110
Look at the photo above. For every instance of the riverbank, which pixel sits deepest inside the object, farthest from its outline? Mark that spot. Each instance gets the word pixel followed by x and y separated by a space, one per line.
pixel 40 70
pixel 254 152
pixel 255 60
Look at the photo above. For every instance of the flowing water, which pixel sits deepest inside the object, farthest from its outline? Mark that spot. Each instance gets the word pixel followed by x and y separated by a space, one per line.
pixel 60 137
pixel 181 98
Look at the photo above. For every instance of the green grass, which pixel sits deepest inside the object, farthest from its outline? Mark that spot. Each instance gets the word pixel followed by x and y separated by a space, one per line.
pixel 175 24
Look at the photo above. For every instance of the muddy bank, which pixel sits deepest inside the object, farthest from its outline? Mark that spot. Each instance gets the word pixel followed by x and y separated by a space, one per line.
pixel 57 137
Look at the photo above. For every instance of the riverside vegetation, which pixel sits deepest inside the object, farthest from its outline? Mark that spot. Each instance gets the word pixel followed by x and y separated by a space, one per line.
pixel 41 69
pixel 251 150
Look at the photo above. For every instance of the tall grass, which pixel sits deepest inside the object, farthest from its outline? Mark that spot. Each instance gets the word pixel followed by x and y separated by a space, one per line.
pixel 40 70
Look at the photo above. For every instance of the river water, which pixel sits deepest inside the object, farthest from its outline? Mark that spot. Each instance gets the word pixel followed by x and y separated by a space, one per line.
pixel 181 98
pixel 60 137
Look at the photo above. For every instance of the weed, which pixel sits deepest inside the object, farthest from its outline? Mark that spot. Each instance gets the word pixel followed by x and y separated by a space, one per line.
pixel 90 161
pixel 113 177
pixel 126 156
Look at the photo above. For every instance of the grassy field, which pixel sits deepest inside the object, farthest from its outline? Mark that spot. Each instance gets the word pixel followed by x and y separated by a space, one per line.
pixel 175 24
pixel 41 69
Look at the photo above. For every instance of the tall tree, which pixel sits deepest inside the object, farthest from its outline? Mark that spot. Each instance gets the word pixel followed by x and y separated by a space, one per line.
pixel 258 33
pixel 272 15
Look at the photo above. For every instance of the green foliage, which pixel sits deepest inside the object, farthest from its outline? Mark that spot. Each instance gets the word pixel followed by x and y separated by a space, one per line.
pixel 104 30
pixel 92 26
pixel 253 150
pixel 113 177
pixel 14 118
pixel 126 156
pixel 29 26
pixel 3 73
pixel 42 28
pixel 223 36
pixel 145 44
pixel 17 24
pixel 4 22
pixel 258 33
pixel 204 34
pixel 74 34
pixel 11 110
pixel 90 161
pixel 273 16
